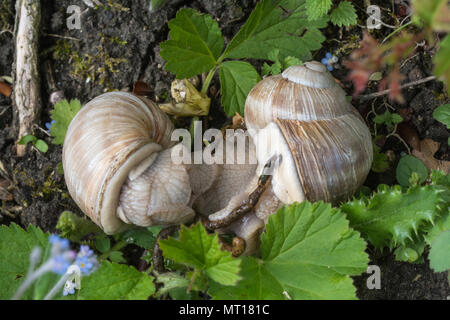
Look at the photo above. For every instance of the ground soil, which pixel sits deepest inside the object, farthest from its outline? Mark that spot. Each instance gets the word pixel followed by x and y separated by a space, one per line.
pixel 132 33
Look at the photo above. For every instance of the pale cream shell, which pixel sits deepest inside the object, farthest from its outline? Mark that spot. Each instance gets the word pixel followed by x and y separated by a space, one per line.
pixel 109 137
pixel 328 140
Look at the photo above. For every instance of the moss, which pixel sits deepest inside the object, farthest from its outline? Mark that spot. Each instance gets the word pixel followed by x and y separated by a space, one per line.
pixel 92 68
pixel 6 15
pixel 116 6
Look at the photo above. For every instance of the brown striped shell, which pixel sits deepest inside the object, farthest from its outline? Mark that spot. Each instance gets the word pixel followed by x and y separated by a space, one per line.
pixel 329 142
pixel 108 138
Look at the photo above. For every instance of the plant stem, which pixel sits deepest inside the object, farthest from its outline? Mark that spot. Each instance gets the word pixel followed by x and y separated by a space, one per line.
pixel 208 80
pixel 397 30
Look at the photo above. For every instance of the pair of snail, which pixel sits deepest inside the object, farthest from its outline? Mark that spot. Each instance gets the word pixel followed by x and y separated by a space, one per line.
pixel 118 167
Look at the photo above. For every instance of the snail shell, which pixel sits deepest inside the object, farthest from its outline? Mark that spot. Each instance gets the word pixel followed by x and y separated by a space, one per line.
pixel 325 145
pixel 115 144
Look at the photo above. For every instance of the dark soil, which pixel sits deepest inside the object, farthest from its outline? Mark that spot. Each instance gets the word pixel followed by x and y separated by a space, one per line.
pixel 119 45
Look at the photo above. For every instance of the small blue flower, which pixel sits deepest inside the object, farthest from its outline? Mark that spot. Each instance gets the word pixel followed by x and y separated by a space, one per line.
pixel 60 264
pixel 85 251
pixel 86 265
pixel 61 243
pixel 69 288
pixel 329 60
pixel 48 125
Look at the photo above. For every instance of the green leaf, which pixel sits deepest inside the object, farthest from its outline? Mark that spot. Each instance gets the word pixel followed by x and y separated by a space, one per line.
pixel 27 139
pixel 16 245
pixel 195 44
pixel 440 252
pixel 270 27
pixel 63 113
pixel 142 237
pixel 202 251
pixel 291 61
pixel 117 257
pixel 317 8
pixel 307 252
pixel 390 217
pixel 442 114
pixel 41 145
pixel 405 168
pixel 237 78
pixel 103 244
pixel 116 282
pixel 344 15
pixel 380 160
pixel 442 62
pixel 74 228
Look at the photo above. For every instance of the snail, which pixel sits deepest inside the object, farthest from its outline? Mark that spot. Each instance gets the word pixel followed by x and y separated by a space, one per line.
pixel 308 140
pixel 322 146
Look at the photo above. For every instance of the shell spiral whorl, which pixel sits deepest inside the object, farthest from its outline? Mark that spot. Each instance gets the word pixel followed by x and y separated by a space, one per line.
pixel 107 139
pixel 329 141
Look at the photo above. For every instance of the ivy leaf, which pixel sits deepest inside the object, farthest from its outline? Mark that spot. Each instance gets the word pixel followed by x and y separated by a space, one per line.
pixel 16 245
pixel 201 251
pixel 407 166
pixel 237 78
pixel 390 217
pixel 442 62
pixel 195 44
pixel 317 8
pixel 442 114
pixel 280 24
pixel 307 252
pixel 116 282
pixel 344 14
pixel 63 113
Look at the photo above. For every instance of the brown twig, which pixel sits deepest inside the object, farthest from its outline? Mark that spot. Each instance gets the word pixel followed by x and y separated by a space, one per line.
pixel 384 92
pixel 27 100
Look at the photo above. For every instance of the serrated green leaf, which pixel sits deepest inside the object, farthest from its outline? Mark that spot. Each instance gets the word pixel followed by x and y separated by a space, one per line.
pixel 344 14
pixel 197 249
pixel 103 244
pixel 237 78
pixel 195 44
pixel 270 27
pixel 63 113
pixel 442 114
pixel 16 245
pixel 116 282
pixel 442 62
pixel 291 61
pixel 307 252
pixel 142 237
pixel 407 166
pixel 171 281
pixel 440 252
pixel 317 8
pixel 116 257
pixel 390 217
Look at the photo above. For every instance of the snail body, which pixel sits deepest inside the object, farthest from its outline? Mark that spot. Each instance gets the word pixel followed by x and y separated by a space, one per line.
pixel 119 171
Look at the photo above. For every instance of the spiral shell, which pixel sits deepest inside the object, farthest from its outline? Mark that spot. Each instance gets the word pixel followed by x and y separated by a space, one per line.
pixel 108 138
pixel 328 140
